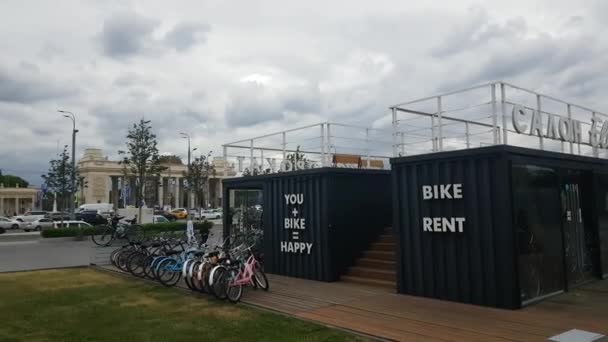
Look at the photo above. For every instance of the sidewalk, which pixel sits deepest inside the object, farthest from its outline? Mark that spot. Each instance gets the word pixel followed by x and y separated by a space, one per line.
pixel 387 315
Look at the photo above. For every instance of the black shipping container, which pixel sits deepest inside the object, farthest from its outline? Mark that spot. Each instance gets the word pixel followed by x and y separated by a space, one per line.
pixel 343 210
pixel 534 223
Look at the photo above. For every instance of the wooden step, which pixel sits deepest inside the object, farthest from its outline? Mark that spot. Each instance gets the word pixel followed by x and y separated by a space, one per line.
pixel 371 282
pixel 372 273
pixel 382 246
pixel 379 264
pixel 386 238
pixel 381 255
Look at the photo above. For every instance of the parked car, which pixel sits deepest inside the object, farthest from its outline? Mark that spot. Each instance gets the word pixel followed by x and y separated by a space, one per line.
pixel 180 213
pixel 211 214
pixel 39 224
pixel 9 223
pixel 102 208
pixel 31 216
pixel 194 213
pixel 58 216
pixel 71 224
pixel 160 219
pixel 92 217
pixel 165 214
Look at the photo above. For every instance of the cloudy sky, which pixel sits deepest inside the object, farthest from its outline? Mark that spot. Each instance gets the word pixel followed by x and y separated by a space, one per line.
pixel 222 70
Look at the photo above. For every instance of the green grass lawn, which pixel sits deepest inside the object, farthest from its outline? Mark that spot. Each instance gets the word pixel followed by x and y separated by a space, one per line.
pixel 88 305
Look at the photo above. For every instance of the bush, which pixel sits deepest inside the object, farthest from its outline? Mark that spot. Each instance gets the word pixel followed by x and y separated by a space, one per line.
pixel 67 232
pixel 149 228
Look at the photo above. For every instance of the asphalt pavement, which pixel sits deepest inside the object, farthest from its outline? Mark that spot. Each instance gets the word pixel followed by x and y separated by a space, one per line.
pixel 43 253
pixel 20 251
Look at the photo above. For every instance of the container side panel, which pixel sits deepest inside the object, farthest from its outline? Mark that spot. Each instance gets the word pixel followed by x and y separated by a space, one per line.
pixel 450 237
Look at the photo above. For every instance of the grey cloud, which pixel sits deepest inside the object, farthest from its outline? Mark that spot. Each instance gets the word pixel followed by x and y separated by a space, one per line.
pixel 27 85
pixel 127 34
pixel 477 31
pixel 185 35
pixel 254 103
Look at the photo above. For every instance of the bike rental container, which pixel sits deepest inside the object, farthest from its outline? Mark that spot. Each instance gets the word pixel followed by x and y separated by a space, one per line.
pixel 499 226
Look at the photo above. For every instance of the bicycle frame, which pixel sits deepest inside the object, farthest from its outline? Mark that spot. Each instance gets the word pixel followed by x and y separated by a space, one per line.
pixel 245 275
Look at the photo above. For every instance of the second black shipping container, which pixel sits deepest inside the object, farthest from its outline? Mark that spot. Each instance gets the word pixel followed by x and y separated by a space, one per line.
pixel 315 222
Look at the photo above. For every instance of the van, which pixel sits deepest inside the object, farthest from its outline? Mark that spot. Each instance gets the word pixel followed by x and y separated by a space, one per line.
pixel 101 208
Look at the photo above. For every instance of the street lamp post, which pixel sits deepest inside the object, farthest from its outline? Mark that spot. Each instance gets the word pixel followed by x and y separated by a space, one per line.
pixel 73 175
pixel 187 136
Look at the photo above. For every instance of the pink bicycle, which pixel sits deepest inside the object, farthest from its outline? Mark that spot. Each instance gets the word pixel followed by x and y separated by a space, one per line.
pixel 232 275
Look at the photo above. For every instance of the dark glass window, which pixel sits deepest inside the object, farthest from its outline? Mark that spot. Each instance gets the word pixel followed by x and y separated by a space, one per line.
pixel 602 216
pixel 245 214
pixel 537 210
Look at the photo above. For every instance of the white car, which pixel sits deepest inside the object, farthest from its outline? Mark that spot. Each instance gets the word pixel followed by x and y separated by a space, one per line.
pixel 8 223
pixel 31 216
pixel 40 224
pixel 160 219
pixel 71 224
pixel 211 214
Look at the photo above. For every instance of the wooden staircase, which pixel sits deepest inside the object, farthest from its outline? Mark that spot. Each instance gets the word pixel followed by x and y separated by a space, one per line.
pixel 376 267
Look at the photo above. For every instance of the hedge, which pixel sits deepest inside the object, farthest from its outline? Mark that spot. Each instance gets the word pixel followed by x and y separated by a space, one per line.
pixel 150 229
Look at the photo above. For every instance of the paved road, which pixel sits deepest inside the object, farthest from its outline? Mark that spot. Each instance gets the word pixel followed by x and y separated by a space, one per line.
pixel 36 254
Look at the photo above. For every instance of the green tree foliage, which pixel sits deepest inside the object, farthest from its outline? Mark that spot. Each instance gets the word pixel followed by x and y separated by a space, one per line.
pixel 197 175
pixel 10 181
pixel 58 179
pixel 141 158
pixel 171 160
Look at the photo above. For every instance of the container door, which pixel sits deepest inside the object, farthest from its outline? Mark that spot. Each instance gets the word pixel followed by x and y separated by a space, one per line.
pixel 536 204
pixel 578 239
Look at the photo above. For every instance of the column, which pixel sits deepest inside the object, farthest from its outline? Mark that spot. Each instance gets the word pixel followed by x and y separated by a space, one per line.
pixel 33 202
pixel 17 205
pixel 1 206
pixel 177 202
pixel 114 181
pixel 161 192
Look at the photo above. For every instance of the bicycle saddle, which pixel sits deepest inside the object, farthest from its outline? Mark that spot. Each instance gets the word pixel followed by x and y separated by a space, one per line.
pixel 198 254
pixel 156 244
pixel 172 252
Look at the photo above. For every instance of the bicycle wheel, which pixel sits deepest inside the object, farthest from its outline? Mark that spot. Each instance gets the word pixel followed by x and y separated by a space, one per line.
pixel 234 292
pixel 105 237
pixel 260 278
pixel 219 281
pixel 121 260
pixel 186 274
pixel 135 233
pixel 135 264
pixel 115 254
pixel 168 275
pixel 147 266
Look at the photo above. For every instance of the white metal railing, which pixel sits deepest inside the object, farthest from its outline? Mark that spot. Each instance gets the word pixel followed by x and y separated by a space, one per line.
pixel 317 145
pixel 483 115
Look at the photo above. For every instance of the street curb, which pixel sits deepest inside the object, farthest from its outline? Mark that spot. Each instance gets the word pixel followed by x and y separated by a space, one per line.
pixel 69 238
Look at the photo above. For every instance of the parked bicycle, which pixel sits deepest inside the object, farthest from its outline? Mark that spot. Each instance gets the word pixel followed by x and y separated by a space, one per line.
pixel 130 231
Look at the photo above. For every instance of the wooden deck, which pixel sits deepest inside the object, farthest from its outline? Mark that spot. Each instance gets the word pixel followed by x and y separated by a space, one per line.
pixel 379 312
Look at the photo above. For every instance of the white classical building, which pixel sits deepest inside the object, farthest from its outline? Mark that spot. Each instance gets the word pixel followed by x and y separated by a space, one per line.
pixel 105 182
pixel 17 200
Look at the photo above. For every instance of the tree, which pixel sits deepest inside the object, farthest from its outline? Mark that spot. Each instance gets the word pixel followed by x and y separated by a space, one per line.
pixel 58 179
pixel 197 175
pixel 141 158
pixel 171 160
pixel 10 181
